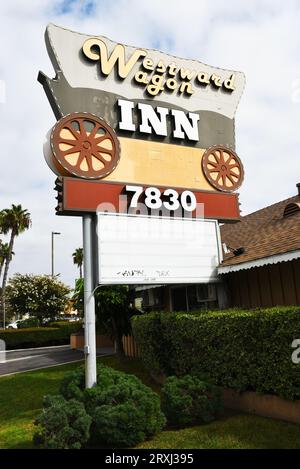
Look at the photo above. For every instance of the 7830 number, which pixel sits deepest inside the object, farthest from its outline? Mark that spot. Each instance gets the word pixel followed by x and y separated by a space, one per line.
pixel 169 198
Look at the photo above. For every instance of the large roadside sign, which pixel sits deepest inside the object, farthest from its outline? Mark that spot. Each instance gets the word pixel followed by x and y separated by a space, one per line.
pixel 146 141
pixel 130 116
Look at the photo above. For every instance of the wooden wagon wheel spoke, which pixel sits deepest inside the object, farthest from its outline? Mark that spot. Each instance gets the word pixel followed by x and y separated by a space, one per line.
pixel 69 151
pixel 81 158
pixel 89 162
pixel 105 150
pixel 94 131
pixel 217 157
pixel 82 130
pixel 212 164
pixel 230 179
pixel 68 142
pixel 100 139
pixel 86 146
pixel 99 157
pixel 71 129
pixel 220 173
pixel 221 157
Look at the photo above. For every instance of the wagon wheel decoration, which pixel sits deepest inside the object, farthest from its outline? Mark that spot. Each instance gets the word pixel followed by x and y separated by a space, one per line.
pixel 84 145
pixel 223 168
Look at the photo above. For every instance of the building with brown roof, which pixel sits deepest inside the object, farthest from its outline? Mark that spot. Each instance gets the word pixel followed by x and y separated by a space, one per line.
pixel 261 265
pixel 260 268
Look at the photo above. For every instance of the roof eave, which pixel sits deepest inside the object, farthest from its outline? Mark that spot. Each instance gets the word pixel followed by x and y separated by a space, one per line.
pixel 284 257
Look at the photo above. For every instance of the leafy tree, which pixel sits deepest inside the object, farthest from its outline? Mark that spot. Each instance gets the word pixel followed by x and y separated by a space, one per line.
pixel 41 296
pixel 14 220
pixel 113 310
pixel 78 259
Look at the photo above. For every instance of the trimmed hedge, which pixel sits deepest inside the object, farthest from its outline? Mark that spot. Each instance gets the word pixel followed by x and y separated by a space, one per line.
pixel 28 323
pixel 243 350
pixel 71 327
pixel 190 400
pixel 38 336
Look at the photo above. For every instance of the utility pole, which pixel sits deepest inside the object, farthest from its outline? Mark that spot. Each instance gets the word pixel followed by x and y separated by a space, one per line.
pixel 89 303
pixel 52 250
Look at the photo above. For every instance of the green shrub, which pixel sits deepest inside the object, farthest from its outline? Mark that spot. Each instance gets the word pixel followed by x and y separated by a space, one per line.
pixel 62 424
pixel 244 350
pixel 190 400
pixel 124 411
pixel 27 323
pixel 73 384
pixel 71 327
pixel 59 334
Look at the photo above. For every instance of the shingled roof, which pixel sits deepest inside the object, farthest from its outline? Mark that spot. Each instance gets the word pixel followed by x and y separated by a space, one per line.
pixel 268 232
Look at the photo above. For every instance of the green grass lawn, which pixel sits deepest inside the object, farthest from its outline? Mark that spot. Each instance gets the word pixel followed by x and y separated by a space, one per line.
pixel 21 401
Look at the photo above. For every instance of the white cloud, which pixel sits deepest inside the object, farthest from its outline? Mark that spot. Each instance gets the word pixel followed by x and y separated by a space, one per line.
pixel 260 38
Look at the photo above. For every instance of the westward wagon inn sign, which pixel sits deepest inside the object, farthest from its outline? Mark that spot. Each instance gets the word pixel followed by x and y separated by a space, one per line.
pixel 136 127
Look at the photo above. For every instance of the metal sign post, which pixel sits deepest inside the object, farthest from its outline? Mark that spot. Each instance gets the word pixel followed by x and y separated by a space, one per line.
pixel 89 304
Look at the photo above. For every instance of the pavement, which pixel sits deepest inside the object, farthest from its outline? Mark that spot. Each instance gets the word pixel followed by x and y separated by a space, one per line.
pixel 17 361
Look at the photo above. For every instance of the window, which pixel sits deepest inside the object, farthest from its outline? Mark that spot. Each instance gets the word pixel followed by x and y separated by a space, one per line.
pixel 194 297
pixel 153 299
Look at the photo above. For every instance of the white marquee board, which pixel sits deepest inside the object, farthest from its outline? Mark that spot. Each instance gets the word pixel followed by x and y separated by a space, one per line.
pixel 141 250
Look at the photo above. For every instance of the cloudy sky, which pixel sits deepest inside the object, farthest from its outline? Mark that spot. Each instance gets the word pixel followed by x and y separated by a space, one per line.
pixel 259 37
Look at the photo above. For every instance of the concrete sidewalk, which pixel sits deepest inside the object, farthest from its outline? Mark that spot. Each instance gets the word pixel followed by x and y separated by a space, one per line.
pixel 32 359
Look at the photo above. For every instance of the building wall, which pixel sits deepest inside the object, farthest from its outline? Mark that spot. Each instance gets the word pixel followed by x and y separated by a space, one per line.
pixel 271 285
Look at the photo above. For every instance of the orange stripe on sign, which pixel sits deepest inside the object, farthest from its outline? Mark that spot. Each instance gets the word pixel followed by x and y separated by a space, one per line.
pixel 81 196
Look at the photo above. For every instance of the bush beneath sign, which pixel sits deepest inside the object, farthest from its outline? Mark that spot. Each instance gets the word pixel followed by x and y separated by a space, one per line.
pixel 123 411
pixel 243 350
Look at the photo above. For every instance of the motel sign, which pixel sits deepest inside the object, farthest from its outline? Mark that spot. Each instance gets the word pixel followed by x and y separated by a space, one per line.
pixel 144 151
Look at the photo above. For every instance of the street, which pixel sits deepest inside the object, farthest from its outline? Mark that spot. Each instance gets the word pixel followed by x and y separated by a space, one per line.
pixel 32 359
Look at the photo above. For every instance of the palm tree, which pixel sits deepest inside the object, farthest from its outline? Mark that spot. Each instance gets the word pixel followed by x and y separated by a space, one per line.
pixel 2 256
pixel 78 259
pixel 4 247
pixel 13 220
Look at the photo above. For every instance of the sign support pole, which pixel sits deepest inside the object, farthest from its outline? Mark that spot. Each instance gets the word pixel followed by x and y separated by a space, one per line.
pixel 89 305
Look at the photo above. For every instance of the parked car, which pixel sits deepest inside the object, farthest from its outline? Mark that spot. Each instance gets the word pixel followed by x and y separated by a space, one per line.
pixel 13 324
pixel 23 323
